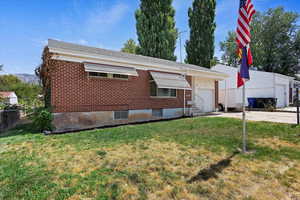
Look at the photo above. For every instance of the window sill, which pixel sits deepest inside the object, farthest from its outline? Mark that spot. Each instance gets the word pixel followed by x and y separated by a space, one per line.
pixel 107 78
pixel 162 97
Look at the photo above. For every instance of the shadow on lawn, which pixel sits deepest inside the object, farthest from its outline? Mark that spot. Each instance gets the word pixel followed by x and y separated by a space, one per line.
pixel 213 170
pixel 22 129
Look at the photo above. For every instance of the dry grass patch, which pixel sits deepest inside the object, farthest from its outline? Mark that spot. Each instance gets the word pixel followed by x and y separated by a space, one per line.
pixel 276 143
pixel 154 161
pixel 160 170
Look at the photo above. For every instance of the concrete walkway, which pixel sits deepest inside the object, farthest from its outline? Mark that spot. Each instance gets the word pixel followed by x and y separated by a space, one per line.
pixel 288 109
pixel 279 117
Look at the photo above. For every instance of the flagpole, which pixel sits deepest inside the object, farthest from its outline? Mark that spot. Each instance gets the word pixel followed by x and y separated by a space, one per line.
pixel 244 121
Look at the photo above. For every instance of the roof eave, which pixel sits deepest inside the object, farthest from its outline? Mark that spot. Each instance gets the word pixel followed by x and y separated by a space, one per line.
pixel 76 56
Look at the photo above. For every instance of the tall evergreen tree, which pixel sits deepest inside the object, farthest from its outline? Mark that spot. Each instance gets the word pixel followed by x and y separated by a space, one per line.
pixel 156 30
pixel 200 46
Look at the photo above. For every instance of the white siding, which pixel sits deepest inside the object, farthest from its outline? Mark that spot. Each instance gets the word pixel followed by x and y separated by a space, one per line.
pixel 260 85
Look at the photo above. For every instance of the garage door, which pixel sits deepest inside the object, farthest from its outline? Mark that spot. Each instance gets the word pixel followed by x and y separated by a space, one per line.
pixel 281 95
pixel 204 100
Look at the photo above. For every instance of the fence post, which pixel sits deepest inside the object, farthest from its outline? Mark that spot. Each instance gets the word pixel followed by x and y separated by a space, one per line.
pixel 297 95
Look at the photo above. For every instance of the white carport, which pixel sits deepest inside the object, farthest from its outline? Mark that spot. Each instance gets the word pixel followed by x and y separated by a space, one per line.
pixel 261 85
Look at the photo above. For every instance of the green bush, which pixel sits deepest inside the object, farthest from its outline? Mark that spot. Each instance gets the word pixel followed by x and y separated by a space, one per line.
pixel 42 119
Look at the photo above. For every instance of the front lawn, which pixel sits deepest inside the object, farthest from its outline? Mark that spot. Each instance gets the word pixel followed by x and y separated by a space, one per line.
pixel 189 158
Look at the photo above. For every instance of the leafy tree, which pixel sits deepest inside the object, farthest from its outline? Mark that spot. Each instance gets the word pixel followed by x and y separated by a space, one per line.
pixel 200 46
pixel 274 42
pixel 229 48
pixel 156 30
pixel 130 47
pixel 214 61
pixel 27 93
pixel 297 44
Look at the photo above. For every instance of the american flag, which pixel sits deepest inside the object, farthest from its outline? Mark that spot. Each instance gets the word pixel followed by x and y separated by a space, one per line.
pixel 246 12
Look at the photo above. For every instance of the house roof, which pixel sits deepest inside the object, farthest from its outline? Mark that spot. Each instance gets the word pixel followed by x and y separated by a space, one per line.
pixel 79 51
pixel 7 94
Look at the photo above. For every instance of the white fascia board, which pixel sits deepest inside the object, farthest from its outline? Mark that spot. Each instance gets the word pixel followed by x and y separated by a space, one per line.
pixel 102 57
pixel 284 76
pixel 73 56
pixel 218 77
pixel 98 61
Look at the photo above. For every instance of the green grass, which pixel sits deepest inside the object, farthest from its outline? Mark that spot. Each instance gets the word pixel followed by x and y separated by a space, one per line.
pixel 153 160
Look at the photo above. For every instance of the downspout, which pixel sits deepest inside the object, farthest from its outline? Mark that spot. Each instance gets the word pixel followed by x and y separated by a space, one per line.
pixel 274 86
pixel 226 96
pixel 184 100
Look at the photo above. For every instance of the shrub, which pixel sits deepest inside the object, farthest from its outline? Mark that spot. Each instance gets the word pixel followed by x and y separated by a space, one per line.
pixel 270 105
pixel 42 119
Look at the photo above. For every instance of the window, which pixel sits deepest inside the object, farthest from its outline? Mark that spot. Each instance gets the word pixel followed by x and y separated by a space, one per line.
pixel 97 74
pixel 161 92
pixel 121 114
pixel 120 76
pixel 106 75
pixel 157 113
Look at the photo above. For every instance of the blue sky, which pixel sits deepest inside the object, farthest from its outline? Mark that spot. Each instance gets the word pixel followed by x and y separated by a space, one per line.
pixel 25 26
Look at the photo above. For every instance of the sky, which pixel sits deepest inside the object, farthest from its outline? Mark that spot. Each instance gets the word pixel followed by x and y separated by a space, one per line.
pixel 25 26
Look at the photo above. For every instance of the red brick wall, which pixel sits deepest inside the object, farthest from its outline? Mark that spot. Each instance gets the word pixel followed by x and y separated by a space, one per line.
pixel 73 91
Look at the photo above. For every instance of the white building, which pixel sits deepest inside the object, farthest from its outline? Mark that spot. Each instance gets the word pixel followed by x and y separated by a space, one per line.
pixel 9 97
pixel 260 85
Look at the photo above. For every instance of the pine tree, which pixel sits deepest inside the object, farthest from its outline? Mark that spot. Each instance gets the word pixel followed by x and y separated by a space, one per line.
pixel 200 46
pixel 156 30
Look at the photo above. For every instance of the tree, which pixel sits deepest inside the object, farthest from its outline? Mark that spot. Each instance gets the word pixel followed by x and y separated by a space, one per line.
pixel 156 30
pixel 1 68
pixel 274 42
pixel 27 93
pixel 200 46
pixel 229 48
pixel 130 47
pixel 214 61
pixel 297 44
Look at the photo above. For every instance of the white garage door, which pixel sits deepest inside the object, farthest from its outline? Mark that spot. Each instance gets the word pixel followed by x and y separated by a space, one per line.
pixel 204 100
pixel 281 96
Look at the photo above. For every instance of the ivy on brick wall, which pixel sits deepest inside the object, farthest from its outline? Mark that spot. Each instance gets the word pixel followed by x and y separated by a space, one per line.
pixel 44 73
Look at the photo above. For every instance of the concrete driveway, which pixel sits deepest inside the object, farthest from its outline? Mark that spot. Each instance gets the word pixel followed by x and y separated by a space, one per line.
pixel 279 117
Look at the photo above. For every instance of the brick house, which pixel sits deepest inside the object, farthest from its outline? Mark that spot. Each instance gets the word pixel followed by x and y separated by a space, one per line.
pixel 92 87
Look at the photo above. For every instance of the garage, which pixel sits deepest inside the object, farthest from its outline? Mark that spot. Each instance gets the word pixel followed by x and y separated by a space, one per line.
pixel 204 100
pixel 281 95
pixel 203 95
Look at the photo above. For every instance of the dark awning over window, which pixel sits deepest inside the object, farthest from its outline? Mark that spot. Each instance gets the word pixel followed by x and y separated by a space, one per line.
pixel 89 67
pixel 171 81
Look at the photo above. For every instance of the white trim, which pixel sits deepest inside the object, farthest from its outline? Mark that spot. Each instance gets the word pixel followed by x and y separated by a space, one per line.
pixel 91 67
pixel 189 72
pixel 170 81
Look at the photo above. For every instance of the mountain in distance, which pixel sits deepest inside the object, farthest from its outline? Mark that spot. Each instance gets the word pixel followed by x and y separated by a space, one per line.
pixel 28 78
